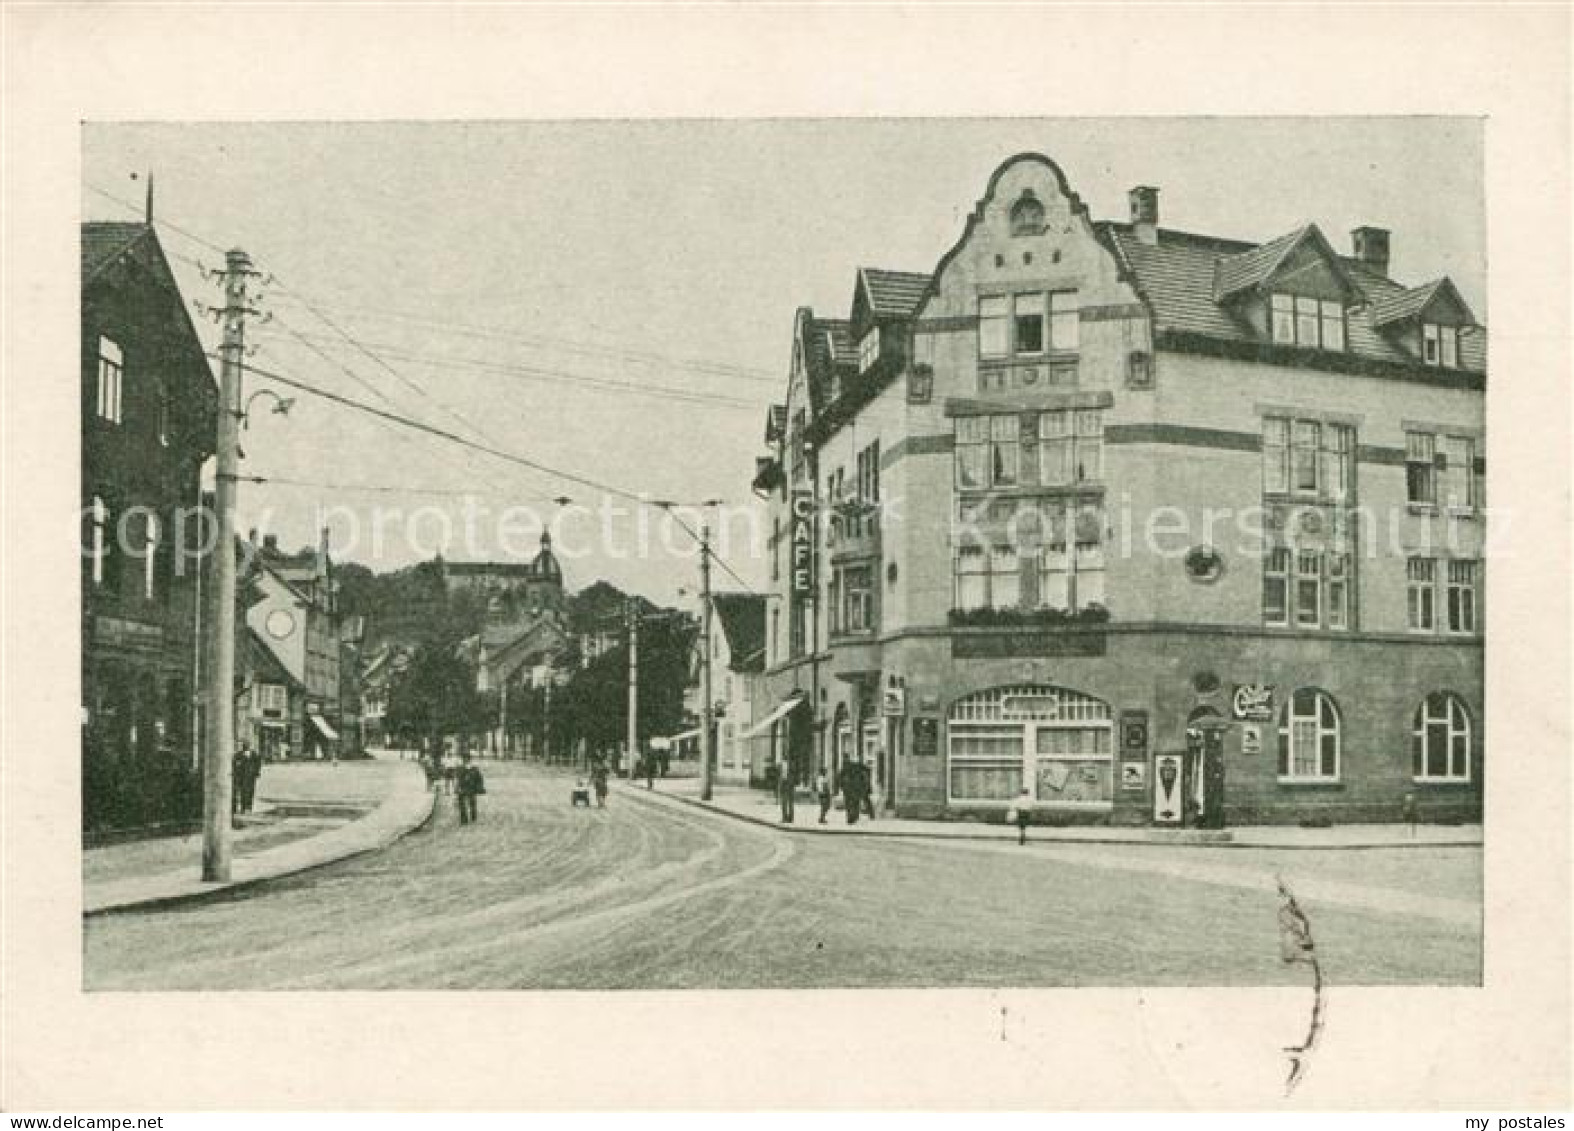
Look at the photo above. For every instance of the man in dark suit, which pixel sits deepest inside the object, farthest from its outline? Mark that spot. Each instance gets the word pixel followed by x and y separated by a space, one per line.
pixel 469 785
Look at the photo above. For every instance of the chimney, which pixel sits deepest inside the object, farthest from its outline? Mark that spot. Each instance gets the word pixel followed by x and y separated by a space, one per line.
pixel 1371 247
pixel 270 543
pixel 1145 213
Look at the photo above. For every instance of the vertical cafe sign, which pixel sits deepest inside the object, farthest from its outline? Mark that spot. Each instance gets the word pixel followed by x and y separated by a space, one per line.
pixel 802 532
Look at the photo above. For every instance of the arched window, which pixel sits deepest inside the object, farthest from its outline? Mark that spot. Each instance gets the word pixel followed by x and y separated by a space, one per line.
pixel 1309 737
pixel 1440 739
pixel 1027 215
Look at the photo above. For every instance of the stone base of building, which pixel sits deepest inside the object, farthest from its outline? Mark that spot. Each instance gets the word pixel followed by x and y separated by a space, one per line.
pixel 1300 728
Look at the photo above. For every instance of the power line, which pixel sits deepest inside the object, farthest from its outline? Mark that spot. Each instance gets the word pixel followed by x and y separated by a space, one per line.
pixel 530 372
pixel 356 343
pixel 571 345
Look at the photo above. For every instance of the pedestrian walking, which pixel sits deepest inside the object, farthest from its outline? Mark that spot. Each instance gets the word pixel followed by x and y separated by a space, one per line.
pixel 598 779
pixel 1021 814
pixel 450 769
pixel 852 791
pixel 785 789
pixel 251 770
pixel 822 792
pixel 471 784
pixel 649 759
pixel 237 776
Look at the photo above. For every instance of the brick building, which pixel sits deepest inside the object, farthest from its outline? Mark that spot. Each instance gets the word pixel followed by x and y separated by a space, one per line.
pixel 148 424
pixel 1163 527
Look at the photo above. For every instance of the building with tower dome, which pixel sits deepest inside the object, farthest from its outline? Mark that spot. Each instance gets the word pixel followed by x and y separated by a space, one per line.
pixel 515 592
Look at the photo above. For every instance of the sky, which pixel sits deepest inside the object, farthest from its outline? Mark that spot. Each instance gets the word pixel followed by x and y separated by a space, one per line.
pixel 615 299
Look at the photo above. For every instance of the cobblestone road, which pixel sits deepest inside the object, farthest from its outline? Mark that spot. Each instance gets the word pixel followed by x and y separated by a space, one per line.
pixel 651 893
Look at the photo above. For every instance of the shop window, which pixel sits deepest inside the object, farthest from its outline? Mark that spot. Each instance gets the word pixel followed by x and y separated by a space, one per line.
pixel 1309 737
pixel 1440 739
pixel 1059 742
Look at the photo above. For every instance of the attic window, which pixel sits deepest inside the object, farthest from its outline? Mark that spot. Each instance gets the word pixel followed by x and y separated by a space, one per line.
pixel 1027 215
pixel 1440 345
pixel 1299 320
pixel 869 350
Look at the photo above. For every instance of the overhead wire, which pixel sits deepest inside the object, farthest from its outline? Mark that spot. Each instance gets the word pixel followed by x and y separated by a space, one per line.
pixel 487 447
pixel 641 499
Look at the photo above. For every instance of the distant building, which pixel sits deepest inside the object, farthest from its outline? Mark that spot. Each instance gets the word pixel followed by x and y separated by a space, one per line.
pixel 148 403
pixel 293 614
pixel 964 477
pixel 514 591
pixel 524 630
pixel 737 654
pixel 378 672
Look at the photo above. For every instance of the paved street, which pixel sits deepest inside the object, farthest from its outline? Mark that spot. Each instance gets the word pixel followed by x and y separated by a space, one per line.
pixel 652 893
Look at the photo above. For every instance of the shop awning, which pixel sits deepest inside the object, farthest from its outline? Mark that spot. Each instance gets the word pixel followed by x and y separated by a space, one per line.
pixel 781 711
pixel 322 725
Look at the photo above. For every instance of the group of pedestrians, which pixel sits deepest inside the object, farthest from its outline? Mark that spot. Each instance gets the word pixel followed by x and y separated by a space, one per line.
pixel 245 769
pixel 855 781
pixel 455 775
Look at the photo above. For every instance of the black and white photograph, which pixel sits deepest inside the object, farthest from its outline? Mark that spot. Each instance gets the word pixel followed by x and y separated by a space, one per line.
pixel 579 558
pixel 1135 543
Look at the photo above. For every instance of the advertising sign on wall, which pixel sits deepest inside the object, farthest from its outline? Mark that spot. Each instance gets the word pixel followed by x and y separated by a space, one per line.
pixel 1253 702
pixel 1168 781
pixel 802 532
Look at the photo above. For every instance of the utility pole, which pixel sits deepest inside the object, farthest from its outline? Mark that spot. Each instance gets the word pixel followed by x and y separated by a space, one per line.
pixel 216 786
pixel 633 721
pixel 707 741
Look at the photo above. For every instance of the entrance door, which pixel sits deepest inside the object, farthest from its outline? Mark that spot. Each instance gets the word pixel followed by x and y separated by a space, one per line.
pixel 870 748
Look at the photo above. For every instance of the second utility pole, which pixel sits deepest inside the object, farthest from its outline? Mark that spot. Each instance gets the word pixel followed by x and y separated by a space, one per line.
pixel 217 831
pixel 633 722
pixel 707 737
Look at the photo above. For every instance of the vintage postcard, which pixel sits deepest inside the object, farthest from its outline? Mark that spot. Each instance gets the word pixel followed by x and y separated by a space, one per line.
pixel 925 571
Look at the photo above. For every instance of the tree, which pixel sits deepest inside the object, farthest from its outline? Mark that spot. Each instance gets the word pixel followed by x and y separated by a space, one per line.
pixel 435 696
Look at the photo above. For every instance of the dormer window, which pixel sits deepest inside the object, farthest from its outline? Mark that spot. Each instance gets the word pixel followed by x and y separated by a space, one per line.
pixel 869 350
pixel 1298 320
pixel 1440 345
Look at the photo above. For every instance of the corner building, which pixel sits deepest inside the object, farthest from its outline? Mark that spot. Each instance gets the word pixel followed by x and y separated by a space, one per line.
pixel 1166 528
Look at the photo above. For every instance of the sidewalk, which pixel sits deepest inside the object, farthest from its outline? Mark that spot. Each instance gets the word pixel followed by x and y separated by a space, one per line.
pixel 385 800
pixel 761 807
